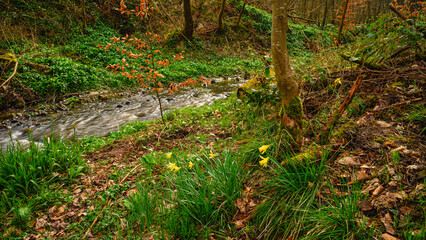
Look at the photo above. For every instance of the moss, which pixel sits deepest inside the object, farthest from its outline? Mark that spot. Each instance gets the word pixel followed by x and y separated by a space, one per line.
pixel 291 125
pixel 346 130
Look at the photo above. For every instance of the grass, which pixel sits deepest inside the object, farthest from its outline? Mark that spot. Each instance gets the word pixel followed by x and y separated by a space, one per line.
pixel 27 177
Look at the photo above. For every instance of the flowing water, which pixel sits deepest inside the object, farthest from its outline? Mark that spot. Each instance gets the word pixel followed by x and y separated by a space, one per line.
pixel 99 117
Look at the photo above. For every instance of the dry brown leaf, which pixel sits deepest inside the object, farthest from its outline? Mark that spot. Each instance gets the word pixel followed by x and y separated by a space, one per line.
pixel 361 175
pixel 365 206
pixel 383 124
pixel 387 236
pixel 388 223
pixel 349 161
pixel 378 190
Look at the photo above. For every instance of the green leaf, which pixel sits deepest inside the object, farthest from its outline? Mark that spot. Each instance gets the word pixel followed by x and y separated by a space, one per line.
pixel 267 72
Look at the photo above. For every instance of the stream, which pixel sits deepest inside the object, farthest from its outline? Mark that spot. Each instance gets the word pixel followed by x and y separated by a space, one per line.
pixel 99 115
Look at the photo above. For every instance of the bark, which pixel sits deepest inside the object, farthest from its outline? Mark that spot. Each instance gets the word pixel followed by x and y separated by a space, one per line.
pixel 83 6
pixel 324 19
pixel 291 112
pixel 241 13
pixel 189 23
pixel 220 23
pixel 342 22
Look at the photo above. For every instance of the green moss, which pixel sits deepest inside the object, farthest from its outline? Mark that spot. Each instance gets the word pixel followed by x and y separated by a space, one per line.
pixel 346 130
pixel 292 134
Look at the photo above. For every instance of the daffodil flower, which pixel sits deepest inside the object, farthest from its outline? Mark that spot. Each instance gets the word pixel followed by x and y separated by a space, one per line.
pixel 169 155
pixel 190 165
pixel 212 155
pixel 264 161
pixel 263 148
pixel 338 81
pixel 173 167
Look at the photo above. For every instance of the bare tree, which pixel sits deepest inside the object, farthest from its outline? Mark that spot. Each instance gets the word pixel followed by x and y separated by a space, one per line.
pixel 219 22
pixel 189 23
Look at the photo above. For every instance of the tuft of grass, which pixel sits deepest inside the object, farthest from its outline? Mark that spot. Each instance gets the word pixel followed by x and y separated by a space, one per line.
pixel 26 176
pixel 291 192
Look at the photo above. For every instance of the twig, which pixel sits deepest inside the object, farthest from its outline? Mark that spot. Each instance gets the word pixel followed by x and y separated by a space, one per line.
pixel 397 104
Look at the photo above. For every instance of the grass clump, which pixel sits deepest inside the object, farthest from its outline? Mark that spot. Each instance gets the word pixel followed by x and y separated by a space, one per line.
pixel 26 176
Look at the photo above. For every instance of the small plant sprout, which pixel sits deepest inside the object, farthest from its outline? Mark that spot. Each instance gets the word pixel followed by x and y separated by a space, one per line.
pixel 263 148
pixel 264 161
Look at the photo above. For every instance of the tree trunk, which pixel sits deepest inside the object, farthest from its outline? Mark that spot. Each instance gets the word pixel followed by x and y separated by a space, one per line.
pixel 241 13
pixel 342 22
pixel 189 24
pixel 291 112
pixel 219 22
pixel 324 19
pixel 83 3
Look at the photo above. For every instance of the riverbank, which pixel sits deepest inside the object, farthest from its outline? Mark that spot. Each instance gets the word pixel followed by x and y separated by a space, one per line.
pixel 202 174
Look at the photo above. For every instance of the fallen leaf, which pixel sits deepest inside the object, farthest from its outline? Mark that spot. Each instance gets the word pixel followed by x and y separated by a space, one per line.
pixel 378 190
pixel 349 161
pixel 387 236
pixel 388 223
pixel 366 206
pixel 383 124
pixel 361 175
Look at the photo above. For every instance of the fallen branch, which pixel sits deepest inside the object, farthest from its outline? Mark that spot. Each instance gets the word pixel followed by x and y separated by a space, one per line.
pixel 401 15
pixel 10 57
pixel 323 137
pixel 369 65
pixel 397 104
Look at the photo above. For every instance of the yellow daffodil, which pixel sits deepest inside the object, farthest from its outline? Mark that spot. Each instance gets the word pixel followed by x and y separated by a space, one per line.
pixel 169 155
pixel 173 167
pixel 338 81
pixel 190 165
pixel 212 155
pixel 264 161
pixel 263 148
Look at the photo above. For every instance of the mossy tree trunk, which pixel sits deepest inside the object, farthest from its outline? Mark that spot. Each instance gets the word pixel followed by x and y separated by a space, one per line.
pixel 291 112
pixel 189 23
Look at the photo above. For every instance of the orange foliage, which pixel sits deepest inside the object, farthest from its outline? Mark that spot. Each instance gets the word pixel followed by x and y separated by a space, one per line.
pixel 147 76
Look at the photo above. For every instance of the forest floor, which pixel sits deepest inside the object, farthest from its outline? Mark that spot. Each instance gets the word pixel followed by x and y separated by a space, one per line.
pixel 377 154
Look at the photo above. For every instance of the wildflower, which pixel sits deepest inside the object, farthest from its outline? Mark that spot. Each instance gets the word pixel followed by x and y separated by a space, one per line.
pixel 337 81
pixel 173 167
pixel 264 161
pixel 263 148
pixel 169 155
pixel 190 165
pixel 212 155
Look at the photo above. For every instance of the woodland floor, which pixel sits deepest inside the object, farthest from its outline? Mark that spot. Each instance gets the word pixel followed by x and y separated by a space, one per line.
pixel 381 143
